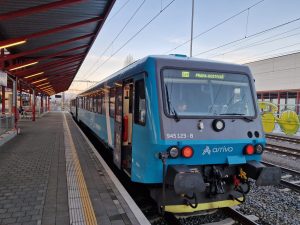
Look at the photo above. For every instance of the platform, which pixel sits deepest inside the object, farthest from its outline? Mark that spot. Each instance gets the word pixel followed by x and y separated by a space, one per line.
pixel 50 174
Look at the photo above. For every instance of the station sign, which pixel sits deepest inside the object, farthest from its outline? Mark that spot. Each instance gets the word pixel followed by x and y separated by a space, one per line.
pixel 3 78
pixel 57 96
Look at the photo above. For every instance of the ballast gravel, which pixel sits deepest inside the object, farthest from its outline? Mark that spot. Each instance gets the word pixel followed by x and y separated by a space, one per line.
pixel 274 205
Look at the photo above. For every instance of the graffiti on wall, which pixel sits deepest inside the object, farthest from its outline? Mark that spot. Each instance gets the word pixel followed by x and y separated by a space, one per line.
pixel 287 120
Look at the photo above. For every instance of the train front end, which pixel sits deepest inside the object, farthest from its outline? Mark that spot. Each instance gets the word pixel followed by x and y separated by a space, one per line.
pixel 211 138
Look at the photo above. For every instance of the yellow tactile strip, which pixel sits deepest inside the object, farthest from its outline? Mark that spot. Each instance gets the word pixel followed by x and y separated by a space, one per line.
pixel 80 206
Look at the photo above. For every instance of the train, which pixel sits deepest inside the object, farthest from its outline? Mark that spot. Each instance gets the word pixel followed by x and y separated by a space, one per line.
pixel 188 129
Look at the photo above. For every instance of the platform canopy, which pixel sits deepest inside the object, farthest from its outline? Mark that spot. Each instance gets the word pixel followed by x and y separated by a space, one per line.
pixel 43 43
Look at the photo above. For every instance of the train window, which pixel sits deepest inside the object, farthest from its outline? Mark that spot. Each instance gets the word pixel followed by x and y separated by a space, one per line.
pixel 103 103
pixel 95 104
pixel 99 104
pixel 112 102
pixel 201 93
pixel 140 103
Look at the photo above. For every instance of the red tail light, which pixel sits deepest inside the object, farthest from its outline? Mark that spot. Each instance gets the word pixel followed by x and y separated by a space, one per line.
pixel 249 150
pixel 187 152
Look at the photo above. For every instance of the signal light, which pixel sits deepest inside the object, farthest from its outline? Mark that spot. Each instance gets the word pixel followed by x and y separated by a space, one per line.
pixel 249 150
pixel 173 152
pixel 187 152
pixel 259 148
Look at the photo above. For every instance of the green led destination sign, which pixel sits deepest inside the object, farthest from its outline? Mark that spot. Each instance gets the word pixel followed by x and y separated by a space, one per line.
pixel 202 75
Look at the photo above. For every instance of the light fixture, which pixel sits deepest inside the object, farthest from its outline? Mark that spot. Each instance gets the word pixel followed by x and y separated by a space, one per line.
pixel 33 75
pixel 13 44
pixel 40 86
pixel 39 81
pixel 28 64
pixel 218 125
pixel 173 152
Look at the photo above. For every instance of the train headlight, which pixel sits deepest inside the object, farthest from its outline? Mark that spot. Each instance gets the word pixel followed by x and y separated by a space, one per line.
pixel 187 152
pixel 218 125
pixel 249 150
pixel 173 152
pixel 259 149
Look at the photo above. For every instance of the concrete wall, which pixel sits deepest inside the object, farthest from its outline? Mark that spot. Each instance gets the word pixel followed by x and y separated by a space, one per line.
pixel 279 73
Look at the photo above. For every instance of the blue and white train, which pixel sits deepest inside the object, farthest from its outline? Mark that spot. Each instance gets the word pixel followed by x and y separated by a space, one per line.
pixel 190 129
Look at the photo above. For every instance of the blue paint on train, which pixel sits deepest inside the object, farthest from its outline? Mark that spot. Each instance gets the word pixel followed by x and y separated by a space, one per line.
pixel 211 147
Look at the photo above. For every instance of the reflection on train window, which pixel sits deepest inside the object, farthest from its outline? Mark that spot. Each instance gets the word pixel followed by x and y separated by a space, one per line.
pixel 198 93
pixel 140 103
pixel 99 104
pixel 112 102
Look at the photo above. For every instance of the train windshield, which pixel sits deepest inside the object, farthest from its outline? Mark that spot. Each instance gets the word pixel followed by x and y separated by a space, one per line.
pixel 199 93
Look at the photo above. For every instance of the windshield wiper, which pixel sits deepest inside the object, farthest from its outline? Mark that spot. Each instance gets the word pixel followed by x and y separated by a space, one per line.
pixel 238 114
pixel 175 116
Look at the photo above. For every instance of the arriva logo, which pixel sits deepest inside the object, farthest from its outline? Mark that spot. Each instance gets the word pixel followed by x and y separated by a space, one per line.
pixel 209 151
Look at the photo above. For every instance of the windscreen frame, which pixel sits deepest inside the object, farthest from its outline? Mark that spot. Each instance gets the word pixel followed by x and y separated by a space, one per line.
pixel 163 91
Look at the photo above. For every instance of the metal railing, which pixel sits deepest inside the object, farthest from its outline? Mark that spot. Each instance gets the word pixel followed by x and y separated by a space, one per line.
pixel 7 122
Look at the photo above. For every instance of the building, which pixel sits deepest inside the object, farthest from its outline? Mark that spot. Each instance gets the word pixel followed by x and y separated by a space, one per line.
pixel 278 80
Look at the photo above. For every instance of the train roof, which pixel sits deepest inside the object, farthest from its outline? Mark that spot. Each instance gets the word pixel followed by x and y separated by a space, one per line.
pixel 139 64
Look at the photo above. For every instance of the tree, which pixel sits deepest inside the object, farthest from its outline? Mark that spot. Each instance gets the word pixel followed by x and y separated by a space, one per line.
pixel 129 59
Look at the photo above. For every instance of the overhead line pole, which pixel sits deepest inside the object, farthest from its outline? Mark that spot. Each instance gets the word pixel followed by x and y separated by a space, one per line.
pixel 192 26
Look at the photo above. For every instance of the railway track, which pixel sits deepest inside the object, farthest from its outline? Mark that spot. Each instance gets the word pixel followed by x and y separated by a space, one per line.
pixel 283 138
pixel 283 150
pixel 241 218
pixel 289 173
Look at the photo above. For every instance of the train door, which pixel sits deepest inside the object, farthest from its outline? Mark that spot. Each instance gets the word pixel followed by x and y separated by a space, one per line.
pixel 118 125
pixel 127 126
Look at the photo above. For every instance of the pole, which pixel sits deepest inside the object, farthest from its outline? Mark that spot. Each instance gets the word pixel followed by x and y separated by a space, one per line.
pixel 3 100
pixel 192 27
pixel 42 105
pixel 33 105
pixel 20 93
pixel 3 87
pixel 48 103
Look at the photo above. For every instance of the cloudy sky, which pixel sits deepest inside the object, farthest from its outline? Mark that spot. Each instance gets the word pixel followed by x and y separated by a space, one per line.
pixel 225 30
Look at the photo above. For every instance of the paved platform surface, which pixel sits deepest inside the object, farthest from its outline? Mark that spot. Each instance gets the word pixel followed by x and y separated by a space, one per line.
pixel 49 175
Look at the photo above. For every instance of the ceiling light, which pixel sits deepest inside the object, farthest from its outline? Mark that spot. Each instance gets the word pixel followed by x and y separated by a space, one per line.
pixel 28 64
pixel 13 44
pixel 39 81
pixel 33 75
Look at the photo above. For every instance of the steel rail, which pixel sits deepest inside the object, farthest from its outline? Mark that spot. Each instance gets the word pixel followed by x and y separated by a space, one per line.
pixel 236 215
pixel 282 149
pixel 290 139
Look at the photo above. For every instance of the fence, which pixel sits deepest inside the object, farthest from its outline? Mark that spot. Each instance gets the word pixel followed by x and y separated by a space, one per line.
pixel 7 122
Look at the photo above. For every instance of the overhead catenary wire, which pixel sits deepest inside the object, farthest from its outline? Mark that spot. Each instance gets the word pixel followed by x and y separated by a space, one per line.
pixel 119 10
pixel 117 36
pixel 260 42
pixel 133 36
pixel 245 60
pixel 215 26
pixel 250 36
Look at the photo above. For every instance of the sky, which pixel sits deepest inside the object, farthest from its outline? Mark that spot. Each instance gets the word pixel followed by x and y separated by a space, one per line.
pixel 224 30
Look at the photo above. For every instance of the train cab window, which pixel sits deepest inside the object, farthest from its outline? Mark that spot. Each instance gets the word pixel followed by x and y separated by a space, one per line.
pixel 140 103
pixel 112 102
pixel 200 93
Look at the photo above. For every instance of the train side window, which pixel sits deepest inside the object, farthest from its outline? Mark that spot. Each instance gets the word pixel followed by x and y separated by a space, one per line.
pixel 99 104
pixel 140 103
pixel 112 102
pixel 103 103
pixel 91 104
pixel 95 104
